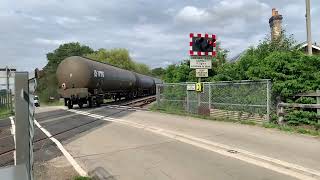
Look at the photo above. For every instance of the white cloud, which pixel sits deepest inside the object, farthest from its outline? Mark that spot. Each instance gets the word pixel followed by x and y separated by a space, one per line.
pixel 51 41
pixel 92 18
pixel 63 20
pixel 224 11
pixel 193 15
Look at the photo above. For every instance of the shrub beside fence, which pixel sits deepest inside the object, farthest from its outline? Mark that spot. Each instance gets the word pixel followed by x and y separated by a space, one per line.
pixel 243 100
pixel 305 111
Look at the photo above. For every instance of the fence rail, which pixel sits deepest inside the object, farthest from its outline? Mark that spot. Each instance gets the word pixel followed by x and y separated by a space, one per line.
pixel 282 107
pixel 240 100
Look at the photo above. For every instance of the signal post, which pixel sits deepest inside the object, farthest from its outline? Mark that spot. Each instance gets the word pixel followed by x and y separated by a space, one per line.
pixel 202 50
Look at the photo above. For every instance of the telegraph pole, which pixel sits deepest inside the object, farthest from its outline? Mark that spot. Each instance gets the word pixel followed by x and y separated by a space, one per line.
pixel 7 78
pixel 308 23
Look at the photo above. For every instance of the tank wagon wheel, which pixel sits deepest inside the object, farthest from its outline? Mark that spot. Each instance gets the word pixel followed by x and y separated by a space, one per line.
pixel 98 104
pixel 89 103
pixel 80 104
pixel 70 105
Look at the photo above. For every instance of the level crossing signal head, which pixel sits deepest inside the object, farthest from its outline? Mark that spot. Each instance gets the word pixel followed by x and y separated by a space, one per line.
pixel 202 45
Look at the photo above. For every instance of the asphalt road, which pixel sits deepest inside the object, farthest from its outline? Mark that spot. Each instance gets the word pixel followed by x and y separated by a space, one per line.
pixel 131 144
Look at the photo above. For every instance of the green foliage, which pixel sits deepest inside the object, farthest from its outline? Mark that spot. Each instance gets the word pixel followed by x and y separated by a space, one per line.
pixel 298 117
pixel 142 69
pixel 290 70
pixel 64 51
pixel 181 72
pixel 306 100
pixel 116 57
pixel 158 72
pixel 119 58
pixel 5 112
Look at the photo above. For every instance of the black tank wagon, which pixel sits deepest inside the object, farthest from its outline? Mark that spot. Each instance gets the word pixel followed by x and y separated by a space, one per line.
pixel 85 81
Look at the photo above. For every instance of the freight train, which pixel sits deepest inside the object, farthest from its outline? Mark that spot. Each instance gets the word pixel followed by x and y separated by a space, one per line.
pixel 85 81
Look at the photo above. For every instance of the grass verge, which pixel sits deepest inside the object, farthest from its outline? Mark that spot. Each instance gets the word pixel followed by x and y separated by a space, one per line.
pixel 285 128
pixel 292 129
pixel 53 103
pixel 4 113
pixel 82 178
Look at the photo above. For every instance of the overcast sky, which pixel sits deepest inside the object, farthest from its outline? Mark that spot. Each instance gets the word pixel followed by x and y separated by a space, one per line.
pixel 155 32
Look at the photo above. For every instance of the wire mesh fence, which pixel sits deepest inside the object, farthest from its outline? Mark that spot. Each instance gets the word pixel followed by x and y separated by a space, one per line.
pixel 243 100
pixel 6 105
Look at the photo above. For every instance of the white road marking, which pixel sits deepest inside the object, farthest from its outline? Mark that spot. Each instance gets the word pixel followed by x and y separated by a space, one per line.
pixel 276 165
pixel 72 161
pixel 13 133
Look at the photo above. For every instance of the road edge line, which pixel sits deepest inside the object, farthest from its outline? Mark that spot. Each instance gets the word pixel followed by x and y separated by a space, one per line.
pixel 71 160
pixel 13 133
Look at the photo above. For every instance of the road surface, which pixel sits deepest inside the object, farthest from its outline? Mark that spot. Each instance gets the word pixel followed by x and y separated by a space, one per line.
pixel 124 144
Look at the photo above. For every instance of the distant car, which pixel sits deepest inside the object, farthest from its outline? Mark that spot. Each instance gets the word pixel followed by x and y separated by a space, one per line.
pixel 36 101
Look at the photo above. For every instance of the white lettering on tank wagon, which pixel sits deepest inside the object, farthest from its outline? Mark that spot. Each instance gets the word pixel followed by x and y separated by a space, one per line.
pixel 98 73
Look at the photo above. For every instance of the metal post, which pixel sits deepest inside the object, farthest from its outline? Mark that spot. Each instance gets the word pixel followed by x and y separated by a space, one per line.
pixel 22 121
pixel 158 94
pixel 268 99
pixel 308 23
pixel 199 94
pixel 11 103
pixel 209 95
pixel 188 109
pixel 7 72
pixel 7 94
pixel 318 102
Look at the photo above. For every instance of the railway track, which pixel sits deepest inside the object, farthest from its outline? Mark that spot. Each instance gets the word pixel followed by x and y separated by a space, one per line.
pixel 140 102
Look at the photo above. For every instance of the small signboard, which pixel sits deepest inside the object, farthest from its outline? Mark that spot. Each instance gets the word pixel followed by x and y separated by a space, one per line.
pixel 201 72
pixel 191 87
pixel 199 87
pixel 200 64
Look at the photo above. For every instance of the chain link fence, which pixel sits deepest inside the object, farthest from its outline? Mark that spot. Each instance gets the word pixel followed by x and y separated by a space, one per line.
pixel 243 100
pixel 6 105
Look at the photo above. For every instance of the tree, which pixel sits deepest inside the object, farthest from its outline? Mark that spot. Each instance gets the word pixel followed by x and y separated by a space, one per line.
pixel 119 58
pixel 290 71
pixel 182 72
pixel 116 57
pixel 158 72
pixel 142 69
pixel 64 51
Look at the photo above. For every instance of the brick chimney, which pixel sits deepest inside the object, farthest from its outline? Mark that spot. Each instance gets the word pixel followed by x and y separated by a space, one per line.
pixel 275 24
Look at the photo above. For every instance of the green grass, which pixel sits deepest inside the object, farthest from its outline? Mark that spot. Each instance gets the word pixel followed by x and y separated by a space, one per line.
pixel 4 113
pixel 82 178
pixel 53 103
pixel 248 122
pixel 285 128
pixel 292 129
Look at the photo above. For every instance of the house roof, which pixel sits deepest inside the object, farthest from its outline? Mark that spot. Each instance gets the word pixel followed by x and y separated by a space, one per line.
pixel 237 57
pixel 313 46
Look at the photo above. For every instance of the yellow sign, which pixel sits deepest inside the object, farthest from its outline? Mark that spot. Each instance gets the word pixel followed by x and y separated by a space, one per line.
pixel 199 87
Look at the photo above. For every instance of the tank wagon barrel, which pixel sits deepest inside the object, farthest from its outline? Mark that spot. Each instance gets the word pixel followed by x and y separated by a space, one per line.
pixel 85 81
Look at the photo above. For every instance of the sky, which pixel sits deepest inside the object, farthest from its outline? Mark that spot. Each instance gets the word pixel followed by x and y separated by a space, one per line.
pixel 155 32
